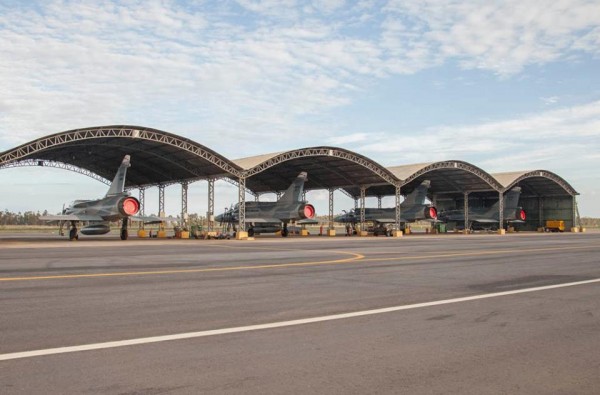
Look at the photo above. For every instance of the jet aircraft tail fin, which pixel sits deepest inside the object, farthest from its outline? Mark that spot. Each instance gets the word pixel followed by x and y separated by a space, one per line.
pixel 511 198
pixel 118 184
pixel 294 193
pixel 511 202
pixel 418 195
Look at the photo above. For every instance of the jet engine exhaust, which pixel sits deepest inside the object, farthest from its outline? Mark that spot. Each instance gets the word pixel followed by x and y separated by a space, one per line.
pixel 129 206
pixel 430 213
pixel 306 211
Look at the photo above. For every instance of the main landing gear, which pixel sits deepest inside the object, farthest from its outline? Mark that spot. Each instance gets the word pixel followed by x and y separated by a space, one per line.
pixel 124 233
pixel 284 231
pixel 73 235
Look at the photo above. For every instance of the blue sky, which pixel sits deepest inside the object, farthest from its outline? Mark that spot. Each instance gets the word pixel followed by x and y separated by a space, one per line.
pixel 505 85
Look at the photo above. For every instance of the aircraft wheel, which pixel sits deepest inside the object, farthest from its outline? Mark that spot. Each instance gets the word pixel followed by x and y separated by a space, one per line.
pixel 251 232
pixel 284 233
pixel 124 234
pixel 73 234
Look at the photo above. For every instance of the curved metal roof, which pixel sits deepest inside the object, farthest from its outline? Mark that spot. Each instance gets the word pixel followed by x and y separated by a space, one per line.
pixel 327 167
pixel 536 182
pixel 158 157
pixel 449 177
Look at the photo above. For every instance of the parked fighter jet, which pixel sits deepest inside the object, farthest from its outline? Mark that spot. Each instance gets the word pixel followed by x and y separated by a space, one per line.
pixel 270 217
pixel 412 209
pixel 479 217
pixel 116 205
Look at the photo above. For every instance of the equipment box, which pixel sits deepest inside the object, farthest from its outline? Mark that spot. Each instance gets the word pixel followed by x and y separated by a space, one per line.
pixel 555 226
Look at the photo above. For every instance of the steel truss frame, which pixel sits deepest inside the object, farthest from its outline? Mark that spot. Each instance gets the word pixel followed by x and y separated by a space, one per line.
pixel 545 174
pixel 123 132
pixel 377 169
pixel 485 176
pixel 55 164
pixel 184 201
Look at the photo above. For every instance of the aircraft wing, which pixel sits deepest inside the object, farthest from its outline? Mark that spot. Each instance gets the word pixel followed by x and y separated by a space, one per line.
pixel 71 217
pixel 386 220
pixel 153 219
pixel 486 221
pixel 261 220
pixel 307 222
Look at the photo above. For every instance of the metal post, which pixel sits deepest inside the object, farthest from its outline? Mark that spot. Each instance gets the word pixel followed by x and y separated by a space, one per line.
pixel 355 203
pixel 575 224
pixel 362 208
pixel 378 201
pixel 242 204
pixel 161 201
pixel 184 203
pixel 210 213
pixel 142 201
pixel 466 209
pixel 331 209
pixel 142 204
pixel 398 209
pixel 540 212
pixel 501 210
pixel 256 197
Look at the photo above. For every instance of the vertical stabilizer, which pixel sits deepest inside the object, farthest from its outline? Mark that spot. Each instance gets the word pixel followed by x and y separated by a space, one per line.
pixel 118 184
pixel 418 195
pixel 511 202
pixel 511 198
pixel 294 193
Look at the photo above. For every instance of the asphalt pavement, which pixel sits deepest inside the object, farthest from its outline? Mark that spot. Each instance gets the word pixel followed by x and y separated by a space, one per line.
pixel 422 314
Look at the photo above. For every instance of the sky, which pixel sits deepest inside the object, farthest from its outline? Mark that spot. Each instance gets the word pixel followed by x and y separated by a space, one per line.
pixel 504 85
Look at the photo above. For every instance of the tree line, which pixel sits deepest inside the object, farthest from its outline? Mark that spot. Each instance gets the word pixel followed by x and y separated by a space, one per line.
pixel 26 218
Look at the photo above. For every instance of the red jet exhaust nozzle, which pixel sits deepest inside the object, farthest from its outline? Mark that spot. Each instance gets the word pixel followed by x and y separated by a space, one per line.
pixel 308 211
pixel 130 206
pixel 522 215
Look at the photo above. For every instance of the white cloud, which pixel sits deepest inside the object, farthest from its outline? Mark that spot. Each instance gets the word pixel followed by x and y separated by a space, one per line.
pixel 548 139
pixel 503 37
pixel 549 100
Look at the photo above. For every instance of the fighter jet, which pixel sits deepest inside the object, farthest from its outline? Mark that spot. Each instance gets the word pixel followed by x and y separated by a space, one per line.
pixel 481 217
pixel 115 205
pixel 271 217
pixel 412 209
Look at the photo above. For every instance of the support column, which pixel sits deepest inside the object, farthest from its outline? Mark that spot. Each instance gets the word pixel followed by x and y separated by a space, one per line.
pixel 397 232
pixel 256 197
pixel 161 211
pixel 362 208
pixel 184 203
pixel 378 201
pixel 355 204
pixel 466 210
pixel 161 201
pixel 501 213
pixel 576 225
pixel 331 229
pixel 210 213
pixel 142 203
pixel 304 195
pixel 541 224
pixel 142 200
pixel 241 231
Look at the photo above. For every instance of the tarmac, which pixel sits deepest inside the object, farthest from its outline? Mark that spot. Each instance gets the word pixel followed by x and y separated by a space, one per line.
pixel 420 314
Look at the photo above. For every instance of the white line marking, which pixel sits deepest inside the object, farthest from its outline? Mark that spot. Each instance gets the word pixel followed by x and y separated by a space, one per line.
pixel 190 335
